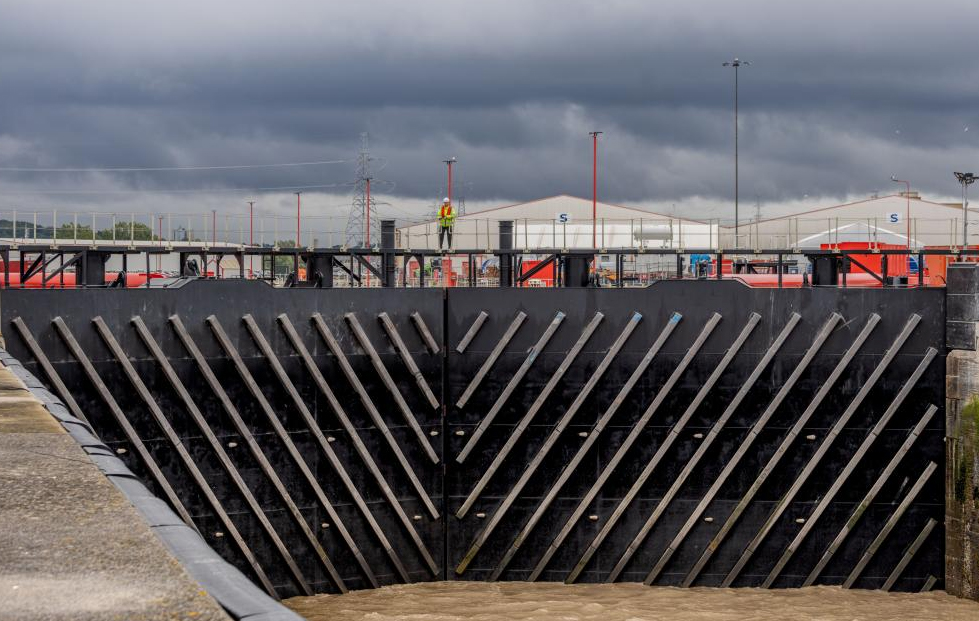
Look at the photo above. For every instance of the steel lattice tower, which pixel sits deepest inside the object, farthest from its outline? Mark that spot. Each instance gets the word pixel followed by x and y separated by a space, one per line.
pixel 363 203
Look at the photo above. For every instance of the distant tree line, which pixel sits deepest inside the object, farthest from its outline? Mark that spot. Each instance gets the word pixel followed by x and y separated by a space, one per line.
pixel 123 230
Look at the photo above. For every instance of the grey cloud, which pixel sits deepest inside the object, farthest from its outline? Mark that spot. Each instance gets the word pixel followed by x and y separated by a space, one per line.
pixel 838 97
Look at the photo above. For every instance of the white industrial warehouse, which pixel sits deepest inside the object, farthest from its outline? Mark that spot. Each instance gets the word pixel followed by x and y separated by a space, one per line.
pixel 565 222
pixel 890 219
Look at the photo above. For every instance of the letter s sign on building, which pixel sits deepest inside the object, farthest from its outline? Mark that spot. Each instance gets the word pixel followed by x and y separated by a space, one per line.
pixel 894 218
pixel 562 218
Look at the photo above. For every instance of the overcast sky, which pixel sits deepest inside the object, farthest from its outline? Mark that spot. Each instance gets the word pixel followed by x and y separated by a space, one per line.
pixel 839 96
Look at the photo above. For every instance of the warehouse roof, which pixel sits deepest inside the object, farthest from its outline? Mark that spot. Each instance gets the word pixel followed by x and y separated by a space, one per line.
pixel 576 206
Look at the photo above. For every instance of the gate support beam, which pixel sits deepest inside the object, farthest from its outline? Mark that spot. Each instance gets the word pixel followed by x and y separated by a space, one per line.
pixel 331 342
pixel 848 469
pixel 759 425
pixel 218 448
pixel 665 446
pixel 354 435
pixel 824 446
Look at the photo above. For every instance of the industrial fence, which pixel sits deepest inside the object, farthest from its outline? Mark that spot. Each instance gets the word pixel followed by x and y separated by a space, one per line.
pixel 474 232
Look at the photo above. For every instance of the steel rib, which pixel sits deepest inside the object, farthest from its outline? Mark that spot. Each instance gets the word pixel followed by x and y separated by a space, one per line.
pixel 638 427
pixel 889 526
pixel 661 450
pixel 388 382
pixel 850 467
pixel 620 453
pixel 263 345
pixel 218 448
pixel 909 554
pixel 472 332
pixel 257 453
pixel 580 455
pixel 232 352
pixel 524 423
pixel 820 451
pixel 606 417
pixel 491 359
pixel 773 349
pixel 53 377
pixel 185 458
pixel 630 439
pixel 802 365
pixel 399 344
pixel 532 355
pixel 327 335
pixel 569 414
pixel 423 330
pixel 803 420
pixel 870 495
pixel 123 422
pixel 348 426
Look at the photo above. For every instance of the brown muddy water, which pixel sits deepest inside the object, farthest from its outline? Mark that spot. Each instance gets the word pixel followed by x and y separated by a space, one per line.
pixel 526 601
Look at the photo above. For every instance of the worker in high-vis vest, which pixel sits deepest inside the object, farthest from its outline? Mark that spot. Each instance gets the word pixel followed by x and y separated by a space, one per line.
pixel 447 217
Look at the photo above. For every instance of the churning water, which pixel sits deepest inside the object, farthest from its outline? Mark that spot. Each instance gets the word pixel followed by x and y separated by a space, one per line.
pixel 540 601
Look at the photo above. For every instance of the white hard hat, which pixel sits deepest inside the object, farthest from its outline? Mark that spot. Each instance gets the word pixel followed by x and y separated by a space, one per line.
pixel 445 200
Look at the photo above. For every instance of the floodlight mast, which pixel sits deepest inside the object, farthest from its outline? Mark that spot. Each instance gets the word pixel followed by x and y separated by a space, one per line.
pixel 907 216
pixel 449 162
pixel 736 63
pixel 594 187
pixel 966 179
pixel 251 236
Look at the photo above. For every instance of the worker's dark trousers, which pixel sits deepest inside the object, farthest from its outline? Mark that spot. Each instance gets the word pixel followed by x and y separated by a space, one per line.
pixel 443 231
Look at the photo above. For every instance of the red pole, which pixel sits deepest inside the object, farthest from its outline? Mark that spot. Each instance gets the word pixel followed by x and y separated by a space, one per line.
pixel 159 258
pixel 448 192
pixel 367 222
pixel 298 217
pixel 251 236
pixel 907 193
pixel 907 215
pixel 214 227
pixel 594 189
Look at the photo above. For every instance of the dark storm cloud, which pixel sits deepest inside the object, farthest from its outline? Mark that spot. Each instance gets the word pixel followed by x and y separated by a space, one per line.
pixel 839 96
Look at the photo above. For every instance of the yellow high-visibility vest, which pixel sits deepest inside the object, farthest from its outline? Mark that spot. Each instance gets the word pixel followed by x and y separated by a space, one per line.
pixel 447 215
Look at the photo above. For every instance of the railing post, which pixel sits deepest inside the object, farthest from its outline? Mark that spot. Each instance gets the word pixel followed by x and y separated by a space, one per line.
pixel 93 269
pixel 506 259
pixel 387 254
pixel 575 270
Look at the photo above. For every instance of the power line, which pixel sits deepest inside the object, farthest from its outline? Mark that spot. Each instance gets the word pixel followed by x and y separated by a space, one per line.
pixel 180 191
pixel 168 168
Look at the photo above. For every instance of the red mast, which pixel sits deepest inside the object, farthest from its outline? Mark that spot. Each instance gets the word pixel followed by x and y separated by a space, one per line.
pixel 367 220
pixel 298 217
pixel 594 188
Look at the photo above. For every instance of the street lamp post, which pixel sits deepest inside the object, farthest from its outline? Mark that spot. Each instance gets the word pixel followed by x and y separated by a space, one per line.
pixel 594 187
pixel 966 179
pixel 448 186
pixel 251 237
pixel 907 217
pixel 299 218
pixel 736 63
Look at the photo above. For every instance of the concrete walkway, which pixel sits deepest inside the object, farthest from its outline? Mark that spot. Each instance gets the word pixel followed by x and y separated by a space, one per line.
pixel 71 545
